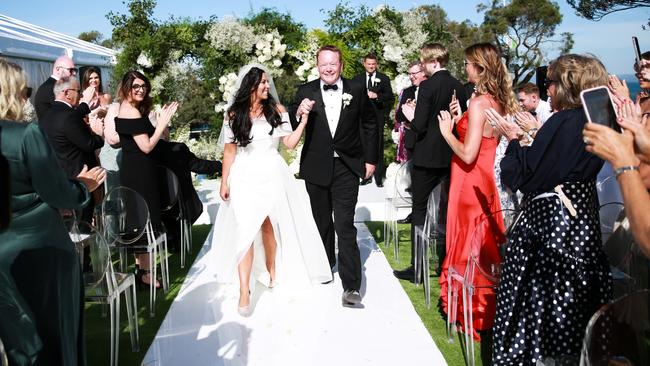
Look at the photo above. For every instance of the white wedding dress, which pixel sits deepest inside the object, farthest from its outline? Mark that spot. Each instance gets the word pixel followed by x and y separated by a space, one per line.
pixel 261 185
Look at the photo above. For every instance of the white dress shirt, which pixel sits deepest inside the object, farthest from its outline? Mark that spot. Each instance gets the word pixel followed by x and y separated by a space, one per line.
pixel 543 111
pixel 333 100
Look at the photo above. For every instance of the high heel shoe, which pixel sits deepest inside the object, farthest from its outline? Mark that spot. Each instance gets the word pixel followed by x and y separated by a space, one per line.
pixel 245 311
pixel 139 281
pixel 272 283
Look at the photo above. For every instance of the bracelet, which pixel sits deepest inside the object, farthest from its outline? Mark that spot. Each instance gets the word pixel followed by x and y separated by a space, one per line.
pixel 624 169
pixel 531 132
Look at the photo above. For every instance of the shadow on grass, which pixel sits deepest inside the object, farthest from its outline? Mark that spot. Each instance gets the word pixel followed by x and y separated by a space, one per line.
pixel 97 332
pixel 453 351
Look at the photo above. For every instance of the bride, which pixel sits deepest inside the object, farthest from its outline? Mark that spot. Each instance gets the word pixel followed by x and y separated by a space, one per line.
pixel 264 230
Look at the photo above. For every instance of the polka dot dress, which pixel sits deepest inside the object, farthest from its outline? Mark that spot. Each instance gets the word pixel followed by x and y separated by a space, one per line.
pixel 555 276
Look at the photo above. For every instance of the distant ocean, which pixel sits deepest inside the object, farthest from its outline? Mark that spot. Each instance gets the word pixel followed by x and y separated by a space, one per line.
pixel 632 83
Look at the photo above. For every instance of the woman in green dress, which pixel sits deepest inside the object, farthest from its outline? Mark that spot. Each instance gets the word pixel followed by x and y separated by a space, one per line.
pixel 41 289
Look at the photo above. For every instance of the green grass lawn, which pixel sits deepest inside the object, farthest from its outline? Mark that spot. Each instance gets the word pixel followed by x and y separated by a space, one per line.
pixel 98 332
pixel 97 326
pixel 432 319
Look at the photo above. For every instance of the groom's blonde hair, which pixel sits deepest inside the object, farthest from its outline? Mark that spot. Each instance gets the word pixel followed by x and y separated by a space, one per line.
pixel 330 48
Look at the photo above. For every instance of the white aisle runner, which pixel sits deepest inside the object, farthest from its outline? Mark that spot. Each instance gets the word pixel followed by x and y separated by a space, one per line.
pixel 307 327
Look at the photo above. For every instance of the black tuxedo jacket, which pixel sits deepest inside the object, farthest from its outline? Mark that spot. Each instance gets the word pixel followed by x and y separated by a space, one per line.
pixel 409 135
pixel 44 99
pixel 431 150
pixel 385 96
pixel 70 138
pixel 317 159
pixel 178 158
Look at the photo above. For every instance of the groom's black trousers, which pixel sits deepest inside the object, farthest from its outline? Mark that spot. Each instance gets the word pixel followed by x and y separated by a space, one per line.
pixel 341 198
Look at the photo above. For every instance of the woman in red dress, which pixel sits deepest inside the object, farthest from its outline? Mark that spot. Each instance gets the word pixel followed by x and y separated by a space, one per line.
pixel 473 193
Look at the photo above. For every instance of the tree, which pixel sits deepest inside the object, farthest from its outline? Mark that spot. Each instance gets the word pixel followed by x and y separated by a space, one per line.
pixel 95 37
pixel 521 30
pixel 597 9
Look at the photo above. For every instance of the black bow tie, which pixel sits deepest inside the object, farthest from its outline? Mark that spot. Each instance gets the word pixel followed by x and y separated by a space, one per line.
pixel 330 87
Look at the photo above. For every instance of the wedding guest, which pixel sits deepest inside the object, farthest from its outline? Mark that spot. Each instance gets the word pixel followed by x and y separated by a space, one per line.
pixel 473 194
pixel 555 274
pixel 261 196
pixel 409 97
pixel 63 67
pixel 431 154
pixel 334 158
pixel 41 295
pixel 381 95
pixel 139 140
pixel 529 100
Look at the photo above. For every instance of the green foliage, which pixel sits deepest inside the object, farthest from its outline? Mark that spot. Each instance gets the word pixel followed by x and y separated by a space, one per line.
pixel 520 30
pixel 269 18
pixel 597 9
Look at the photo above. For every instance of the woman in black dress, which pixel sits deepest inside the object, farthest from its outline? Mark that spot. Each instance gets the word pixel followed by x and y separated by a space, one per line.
pixel 555 274
pixel 139 140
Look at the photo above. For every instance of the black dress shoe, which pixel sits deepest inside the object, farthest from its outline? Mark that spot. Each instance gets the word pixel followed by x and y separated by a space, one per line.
pixel 365 181
pixel 407 274
pixel 380 185
pixel 406 220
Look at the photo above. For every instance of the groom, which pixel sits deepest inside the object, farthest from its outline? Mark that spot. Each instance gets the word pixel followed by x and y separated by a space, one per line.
pixel 334 159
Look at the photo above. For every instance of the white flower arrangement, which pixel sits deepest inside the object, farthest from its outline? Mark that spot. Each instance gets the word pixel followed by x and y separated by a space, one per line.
pixel 401 82
pixel 270 50
pixel 231 34
pixel 400 46
pixel 308 70
pixel 346 98
pixel 227 88
pixel 144 60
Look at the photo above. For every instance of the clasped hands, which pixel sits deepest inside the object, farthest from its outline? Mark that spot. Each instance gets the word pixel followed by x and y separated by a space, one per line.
pixel 304 108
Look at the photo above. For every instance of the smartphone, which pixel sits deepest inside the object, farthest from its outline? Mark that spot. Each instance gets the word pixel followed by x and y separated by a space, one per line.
pixel 637 52
pixel 599 108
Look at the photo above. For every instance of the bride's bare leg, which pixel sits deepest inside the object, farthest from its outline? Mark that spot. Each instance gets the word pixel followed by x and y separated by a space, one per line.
pixel 244 269
pixel 270 247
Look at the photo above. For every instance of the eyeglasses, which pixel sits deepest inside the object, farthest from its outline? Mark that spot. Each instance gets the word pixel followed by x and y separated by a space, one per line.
pixel 465 63
pixel 139 87
pixel 548 82
pixel 71 70
pixel 414 73
pixel 77 90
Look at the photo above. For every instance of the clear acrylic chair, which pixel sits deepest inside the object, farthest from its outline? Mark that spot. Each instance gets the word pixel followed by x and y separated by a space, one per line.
pixel 398 198
pixel 485 264
pixel 104 286
pixel 171 200
pixel 126 224
pixel 428 237
pixel 3 355
pixel 619 332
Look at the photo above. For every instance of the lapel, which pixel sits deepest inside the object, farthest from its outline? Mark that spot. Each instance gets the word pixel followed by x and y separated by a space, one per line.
pixel 317 96
pixel 344 109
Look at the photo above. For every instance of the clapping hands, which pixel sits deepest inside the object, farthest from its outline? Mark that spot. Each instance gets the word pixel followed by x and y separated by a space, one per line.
pixel 92 178
pixel 408 109
pixel 165 114
pixel 509 129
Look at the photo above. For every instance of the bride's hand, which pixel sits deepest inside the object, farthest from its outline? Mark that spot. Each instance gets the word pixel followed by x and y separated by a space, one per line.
pixel 224 192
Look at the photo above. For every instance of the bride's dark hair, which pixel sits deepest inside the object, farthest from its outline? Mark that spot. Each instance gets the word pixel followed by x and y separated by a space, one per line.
pixel 239 111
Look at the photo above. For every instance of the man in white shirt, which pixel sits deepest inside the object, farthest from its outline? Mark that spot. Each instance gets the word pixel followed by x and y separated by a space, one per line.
pixel 528 97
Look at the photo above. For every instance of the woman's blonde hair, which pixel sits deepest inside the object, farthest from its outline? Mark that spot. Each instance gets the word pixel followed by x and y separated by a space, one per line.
pixel 493 78
pixel 13 85
pixel 572 74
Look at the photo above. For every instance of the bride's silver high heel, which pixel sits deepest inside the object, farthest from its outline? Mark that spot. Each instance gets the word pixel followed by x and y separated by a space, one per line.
pixel 245 311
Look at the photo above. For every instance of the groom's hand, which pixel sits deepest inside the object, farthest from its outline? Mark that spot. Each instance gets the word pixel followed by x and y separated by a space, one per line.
pixel 370 169
pixel 305 107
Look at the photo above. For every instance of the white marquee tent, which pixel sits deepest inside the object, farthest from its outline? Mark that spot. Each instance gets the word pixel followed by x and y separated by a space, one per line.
pixel 35 48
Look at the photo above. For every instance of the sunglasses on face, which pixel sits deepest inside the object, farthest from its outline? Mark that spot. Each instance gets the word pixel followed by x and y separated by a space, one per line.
pixel 71 70
pixel 549 82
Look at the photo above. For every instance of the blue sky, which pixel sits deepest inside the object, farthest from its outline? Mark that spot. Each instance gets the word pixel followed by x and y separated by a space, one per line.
pixel 609 39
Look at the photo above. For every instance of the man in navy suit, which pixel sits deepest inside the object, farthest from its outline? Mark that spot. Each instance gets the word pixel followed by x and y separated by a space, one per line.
pixel 334 159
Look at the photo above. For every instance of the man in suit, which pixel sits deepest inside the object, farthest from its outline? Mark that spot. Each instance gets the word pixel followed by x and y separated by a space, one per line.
pixel 44 98
pixel 334 159
pixel 381 95
pixel 431 154
pixel 179 159
pixel 409 97
pixel 72 140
